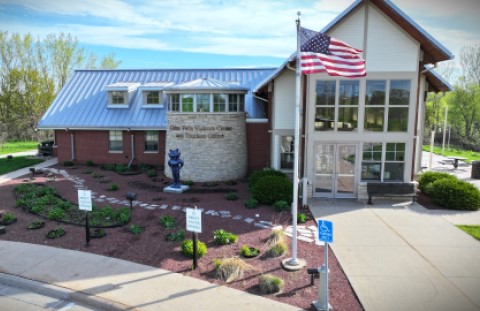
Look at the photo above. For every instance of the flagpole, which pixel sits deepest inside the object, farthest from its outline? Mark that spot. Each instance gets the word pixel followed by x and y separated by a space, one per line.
pixel 294 263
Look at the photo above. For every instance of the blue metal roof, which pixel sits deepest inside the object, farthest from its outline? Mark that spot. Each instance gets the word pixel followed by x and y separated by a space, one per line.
pixel 83 101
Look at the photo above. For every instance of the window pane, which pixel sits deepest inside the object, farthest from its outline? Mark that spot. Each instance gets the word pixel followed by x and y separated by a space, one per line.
pixel 375 94
pixel 153 98
pixel 232 102
pixel 219 102
pixel 325 93
pixel 374 119
pixel 115 141
pixel 324 118
pixel 372 152
pixel 395 152
pixel 286 152
pixel 349 93
pixel 187 102
pixel 118 97
pixel 347 118
pixel 151 141
pixel 203 102
pixel 393 172
pixel 399 92
pixel 397 119
pixel 175 102
pixel 371 171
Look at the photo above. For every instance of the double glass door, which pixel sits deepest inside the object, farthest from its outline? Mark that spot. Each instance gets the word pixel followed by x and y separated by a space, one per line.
pixel 335 167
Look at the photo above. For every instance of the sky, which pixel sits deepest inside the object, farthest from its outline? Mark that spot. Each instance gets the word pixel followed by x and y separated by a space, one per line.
pixel 214 33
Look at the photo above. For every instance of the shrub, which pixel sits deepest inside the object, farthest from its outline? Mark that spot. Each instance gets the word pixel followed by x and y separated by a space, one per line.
pixel 56 214
pixel 175 237
pixel 187 248
pixel 427 178
pixel 113 187
pixel 455 194
pixel 108 167
pixel 280 205
pixel 168 222
pixel 301 218
pixel 277 250
pixel 270 284
pixel 87 171
pixel 188 183
pixel 97 175
pixel 269 189
pixel 123 215
pixel 276 236
pixel 89 163
pixel 248 251
pixel 230 269
pixel 231 196
pixel 136 229
pixel 255 176
pixel 8 218
pixel 68 163
pixel 222 237
pixel 152 173
pixel 122 168
pixel 251 203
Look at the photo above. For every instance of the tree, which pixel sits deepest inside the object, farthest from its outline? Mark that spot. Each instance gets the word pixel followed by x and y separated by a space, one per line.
pixel 32 71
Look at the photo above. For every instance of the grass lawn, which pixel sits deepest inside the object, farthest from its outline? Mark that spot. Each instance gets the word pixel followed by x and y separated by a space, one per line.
pixel 7 166
pixel 473 230
pixel 452 152
pixel 18 146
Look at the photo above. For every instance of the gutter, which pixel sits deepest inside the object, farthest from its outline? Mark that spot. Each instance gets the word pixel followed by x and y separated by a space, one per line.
pixel 132 139
pixel 72 143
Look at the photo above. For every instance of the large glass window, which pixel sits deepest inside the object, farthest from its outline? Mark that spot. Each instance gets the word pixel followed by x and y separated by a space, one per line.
pixel 377 166
pixel 399 100
pixel 187 102
pixel 236 102
pixel 115 141
pixel 117 97
pixel 203 102
pixel 336 110
pixel 375 105
pixel 151 141
pixel 286 152
pixel 219 102
pixel 175 102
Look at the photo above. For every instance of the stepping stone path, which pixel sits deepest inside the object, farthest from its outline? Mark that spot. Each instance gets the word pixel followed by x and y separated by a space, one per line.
pixel 306 234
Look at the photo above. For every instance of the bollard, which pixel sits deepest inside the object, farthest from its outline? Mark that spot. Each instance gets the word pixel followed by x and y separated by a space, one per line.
pixel 322 302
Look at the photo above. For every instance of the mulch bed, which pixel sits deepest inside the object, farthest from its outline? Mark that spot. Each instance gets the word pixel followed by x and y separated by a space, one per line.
pixel 151 248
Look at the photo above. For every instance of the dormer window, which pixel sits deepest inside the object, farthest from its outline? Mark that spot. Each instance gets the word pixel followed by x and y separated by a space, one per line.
pixel 120 93
pixel 153 95
pixel 153 98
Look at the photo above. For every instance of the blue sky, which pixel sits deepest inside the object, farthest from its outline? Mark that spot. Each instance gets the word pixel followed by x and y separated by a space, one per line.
pixel 214 33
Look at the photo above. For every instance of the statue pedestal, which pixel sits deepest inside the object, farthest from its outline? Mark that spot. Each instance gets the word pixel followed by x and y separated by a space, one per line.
pixel 170 189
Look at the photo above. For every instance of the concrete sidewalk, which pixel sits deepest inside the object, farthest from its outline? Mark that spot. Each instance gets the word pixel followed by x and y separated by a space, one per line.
pixel 26 170
pixel 399 256
pixel 113 284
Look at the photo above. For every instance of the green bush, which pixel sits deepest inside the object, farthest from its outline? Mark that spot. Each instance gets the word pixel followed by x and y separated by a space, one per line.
pixel 248 251
pixel 251 203
pixel 108 167
pixel 8 218
pixel 136 229
pixel 174 237
pixel 56 214
pixel 89 163
pixel 269 189
pixel 429 177
pixel 68 163
pixel 277 250
pixel 222 237
pixel 187 248
pixel 301 218
pixel 168 222
pixel 113 187
pixel 255 176
pixel 231 196
pixel 270 284
pixel 152 173
pixel 230 269
pixel 280 205
pixel 122 168
pixel 455 194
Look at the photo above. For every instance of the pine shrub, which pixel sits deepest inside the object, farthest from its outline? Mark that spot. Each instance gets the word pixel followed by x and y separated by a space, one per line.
pixel 269 189
pixel 427 178
pixel 255 176
pixel 455 194
pixel 280 205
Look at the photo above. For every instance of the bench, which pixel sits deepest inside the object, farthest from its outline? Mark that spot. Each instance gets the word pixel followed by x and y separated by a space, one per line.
pixel 397 189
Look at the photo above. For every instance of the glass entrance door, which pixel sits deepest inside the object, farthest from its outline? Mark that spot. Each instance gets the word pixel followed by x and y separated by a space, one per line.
pixel 335 167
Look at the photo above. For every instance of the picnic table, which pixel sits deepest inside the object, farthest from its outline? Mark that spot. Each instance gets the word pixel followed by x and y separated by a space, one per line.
pixel 455 161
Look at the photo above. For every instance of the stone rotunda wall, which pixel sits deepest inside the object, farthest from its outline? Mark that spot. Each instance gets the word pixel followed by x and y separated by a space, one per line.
pixel 212 145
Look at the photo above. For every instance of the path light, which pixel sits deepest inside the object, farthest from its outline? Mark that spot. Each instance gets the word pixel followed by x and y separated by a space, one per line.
pixel 32 170
pixel 131 196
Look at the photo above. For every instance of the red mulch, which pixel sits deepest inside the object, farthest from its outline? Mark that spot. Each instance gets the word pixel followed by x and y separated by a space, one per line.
pixel 427 202
pixel 151 248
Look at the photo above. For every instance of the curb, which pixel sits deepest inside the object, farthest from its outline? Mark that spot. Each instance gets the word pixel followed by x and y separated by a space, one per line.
pixel 98 303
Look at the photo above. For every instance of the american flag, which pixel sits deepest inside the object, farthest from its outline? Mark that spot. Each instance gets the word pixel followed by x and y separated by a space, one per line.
pixel 321 53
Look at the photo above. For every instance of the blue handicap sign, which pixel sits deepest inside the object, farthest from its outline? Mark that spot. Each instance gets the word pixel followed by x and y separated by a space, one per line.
pixel 325 231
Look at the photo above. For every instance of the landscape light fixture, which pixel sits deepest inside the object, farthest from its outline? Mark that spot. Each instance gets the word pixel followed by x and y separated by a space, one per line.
pixel 131 196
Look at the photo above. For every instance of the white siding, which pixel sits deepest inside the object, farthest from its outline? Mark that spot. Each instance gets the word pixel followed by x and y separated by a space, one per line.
pixel 284 95
pixel 351 30
pixel 388 47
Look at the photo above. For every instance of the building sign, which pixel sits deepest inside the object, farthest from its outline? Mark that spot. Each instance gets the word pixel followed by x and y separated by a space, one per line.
pixel 199 131
pixel 85 200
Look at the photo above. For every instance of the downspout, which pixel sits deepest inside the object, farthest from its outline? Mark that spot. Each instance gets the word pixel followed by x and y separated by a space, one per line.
pixel 132 139
pixel 72 143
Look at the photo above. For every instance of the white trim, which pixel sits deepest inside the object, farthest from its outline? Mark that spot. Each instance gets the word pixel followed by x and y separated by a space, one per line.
pixel 256 120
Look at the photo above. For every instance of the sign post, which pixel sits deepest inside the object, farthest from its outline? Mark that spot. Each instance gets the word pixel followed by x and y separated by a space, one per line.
pixel 325 234
pixel 194 225
pixel 85 204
